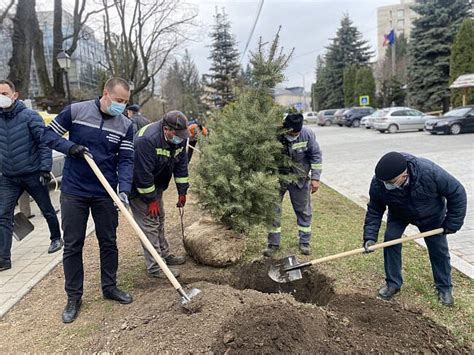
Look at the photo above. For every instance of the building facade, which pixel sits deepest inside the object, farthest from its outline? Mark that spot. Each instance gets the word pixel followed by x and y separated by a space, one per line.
pixel 398 17
pixel 87 61
pixel 295 97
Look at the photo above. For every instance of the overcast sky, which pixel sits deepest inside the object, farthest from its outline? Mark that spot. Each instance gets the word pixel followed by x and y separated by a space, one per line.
pixel 306 25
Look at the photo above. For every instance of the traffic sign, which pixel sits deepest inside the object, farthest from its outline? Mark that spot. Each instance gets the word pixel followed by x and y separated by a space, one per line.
pixel 364 100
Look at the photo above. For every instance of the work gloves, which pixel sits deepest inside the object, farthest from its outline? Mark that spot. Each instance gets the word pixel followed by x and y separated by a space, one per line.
pixel 448 231
pixel 123 196
pixel 153 209
pixel 181 201
pixel 45 177
pixel 367 244
pixel 78 151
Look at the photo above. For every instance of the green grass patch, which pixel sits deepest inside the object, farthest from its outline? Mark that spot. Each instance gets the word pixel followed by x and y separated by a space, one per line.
pixel 337 227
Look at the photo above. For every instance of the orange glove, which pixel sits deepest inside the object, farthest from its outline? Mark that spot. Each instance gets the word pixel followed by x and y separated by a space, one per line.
pixel 181 201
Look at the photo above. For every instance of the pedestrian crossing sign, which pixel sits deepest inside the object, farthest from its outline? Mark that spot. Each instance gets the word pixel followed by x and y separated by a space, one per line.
pixel 364 100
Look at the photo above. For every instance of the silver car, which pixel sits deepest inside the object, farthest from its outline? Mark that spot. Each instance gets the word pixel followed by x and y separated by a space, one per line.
pixel 396 119
pixel 368 121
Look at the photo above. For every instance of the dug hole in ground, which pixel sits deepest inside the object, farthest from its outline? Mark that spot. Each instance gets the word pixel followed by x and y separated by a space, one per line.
pixel 240 310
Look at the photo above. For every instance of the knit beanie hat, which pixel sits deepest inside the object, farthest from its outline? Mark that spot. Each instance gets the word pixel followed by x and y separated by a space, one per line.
pixel 390 166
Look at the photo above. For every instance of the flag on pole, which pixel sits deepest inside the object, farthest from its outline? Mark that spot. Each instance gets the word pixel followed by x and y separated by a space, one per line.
pixel 389 39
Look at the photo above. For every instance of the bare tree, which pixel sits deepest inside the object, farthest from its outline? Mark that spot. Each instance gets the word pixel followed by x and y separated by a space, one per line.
pixel 22 43
pixel 4 13
pixel 138 48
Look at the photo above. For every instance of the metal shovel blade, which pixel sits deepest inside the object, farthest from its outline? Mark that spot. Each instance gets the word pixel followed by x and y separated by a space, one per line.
pixel 187 297
pixel 278 272
pixel 21 226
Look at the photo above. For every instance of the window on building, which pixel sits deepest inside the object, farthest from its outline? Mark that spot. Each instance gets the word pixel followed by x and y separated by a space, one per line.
pixel 401 13
pixel 401 24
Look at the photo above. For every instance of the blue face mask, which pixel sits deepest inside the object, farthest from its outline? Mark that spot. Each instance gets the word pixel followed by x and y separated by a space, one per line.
pixel 115 108
pixel 176 140
pixel 390 186
pixel 291 138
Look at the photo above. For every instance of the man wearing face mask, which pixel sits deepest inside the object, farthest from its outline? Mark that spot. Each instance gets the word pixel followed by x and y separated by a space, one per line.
pixel 418 192
pixel 300 144
pixel 99 128
pixel 25 165
pixel 160 153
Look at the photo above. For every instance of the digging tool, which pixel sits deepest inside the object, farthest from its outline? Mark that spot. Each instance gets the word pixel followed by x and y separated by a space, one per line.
pixel 185 297
pixel 288 269
pixel 21 226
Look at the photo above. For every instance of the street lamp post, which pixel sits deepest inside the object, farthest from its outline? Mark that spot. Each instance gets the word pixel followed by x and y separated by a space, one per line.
pixel 64 61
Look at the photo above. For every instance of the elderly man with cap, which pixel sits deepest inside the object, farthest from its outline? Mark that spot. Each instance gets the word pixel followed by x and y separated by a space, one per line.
pixel 419 192
pixel 138 120
pixel 160 153
pixel 300 144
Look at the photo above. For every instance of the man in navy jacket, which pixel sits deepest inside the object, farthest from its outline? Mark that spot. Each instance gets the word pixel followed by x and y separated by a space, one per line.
pixel 419 192
pixel 99 128
pixel 25 165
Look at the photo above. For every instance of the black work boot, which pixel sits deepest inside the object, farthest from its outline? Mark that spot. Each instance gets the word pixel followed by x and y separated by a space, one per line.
pixel 159 274
pixel 117 295
pixel 71 310
pixel 305 249
pixel 271 249
pixel 387 292
pixel 55 245
pixel 175 260
pixel 5 265
pixel 446 298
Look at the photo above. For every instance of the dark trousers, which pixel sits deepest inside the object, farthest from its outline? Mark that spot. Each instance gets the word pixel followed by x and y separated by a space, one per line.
pixel 437 249
pixel 10 190
pixel 75 212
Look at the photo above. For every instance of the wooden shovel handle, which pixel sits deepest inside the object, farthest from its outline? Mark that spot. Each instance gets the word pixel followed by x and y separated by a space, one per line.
pixel 132 222
pixel 378 246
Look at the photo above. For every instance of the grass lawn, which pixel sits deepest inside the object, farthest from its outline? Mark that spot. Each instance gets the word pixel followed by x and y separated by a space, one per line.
pixel 337 227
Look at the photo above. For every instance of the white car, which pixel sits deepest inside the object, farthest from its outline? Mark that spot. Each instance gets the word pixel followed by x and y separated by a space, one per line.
pixel 396 119
pixel 368 121
pixel 310 117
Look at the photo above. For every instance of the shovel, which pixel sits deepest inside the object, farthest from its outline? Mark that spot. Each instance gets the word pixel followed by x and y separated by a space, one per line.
pixel 185 297
pixel 288 269
pixel 21 226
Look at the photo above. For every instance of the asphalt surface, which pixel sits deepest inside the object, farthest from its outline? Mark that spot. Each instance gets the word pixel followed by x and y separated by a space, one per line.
pixel 350 156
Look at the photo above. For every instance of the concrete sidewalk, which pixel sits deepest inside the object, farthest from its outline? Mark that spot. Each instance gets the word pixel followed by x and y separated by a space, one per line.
pixel 30 259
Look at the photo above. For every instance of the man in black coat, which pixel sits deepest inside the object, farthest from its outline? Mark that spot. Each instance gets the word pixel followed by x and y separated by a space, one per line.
pixel 418 192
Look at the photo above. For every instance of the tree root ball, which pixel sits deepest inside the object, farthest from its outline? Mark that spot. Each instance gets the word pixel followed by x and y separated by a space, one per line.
pixel 211 243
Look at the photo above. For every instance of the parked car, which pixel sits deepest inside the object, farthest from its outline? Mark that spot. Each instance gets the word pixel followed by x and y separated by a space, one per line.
pixel 310 117
pixel 456 121
pixel 352 117
pixel 338 116
pixel 396 119
pixel 368 121
pixel 326 117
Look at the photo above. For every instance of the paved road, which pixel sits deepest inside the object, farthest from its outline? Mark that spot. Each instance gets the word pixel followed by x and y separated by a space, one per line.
pixel 350 155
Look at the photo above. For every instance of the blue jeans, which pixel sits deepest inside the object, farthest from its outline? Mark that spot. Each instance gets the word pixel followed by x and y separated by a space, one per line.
pixel 10 190
pixel 74 215
pixel 437 249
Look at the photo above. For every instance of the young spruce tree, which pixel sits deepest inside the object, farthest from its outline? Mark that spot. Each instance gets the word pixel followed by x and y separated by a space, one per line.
pixel 430 50
pixel 237 175
pixel 224 56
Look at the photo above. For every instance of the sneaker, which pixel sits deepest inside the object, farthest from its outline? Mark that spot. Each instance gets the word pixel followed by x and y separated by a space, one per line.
pixel 159 274
pixel 387 292
pixel 271 250
pixel 305 249
pixel 5 265
pixel 71 310
pixel 175 260
pixel 446 298
pixel 55 245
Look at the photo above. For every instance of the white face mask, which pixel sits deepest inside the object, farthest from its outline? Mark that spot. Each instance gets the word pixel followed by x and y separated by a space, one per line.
pixel 5 101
